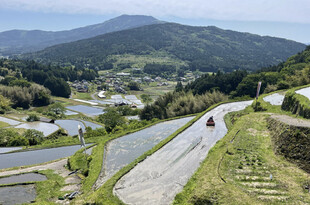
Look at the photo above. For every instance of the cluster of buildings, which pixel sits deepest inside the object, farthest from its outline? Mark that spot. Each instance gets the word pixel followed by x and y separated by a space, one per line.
pixel 80 86
pixel 118 81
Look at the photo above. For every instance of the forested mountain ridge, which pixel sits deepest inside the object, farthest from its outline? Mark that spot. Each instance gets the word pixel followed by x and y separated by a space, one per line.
pixel 22 41
pixel 204 48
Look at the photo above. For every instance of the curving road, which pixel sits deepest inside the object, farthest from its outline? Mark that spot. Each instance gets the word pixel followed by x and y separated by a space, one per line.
pixel 161 176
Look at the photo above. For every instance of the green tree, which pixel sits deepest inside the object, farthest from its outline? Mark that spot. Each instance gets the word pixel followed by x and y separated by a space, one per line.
pixel 179 87
pixel 18 141
pixel 4 104
pixel 58 87
pixel 146 98
pixel 111 118
pixel 20 83
pixel 34 137
pixel 134 85
pixel 32 118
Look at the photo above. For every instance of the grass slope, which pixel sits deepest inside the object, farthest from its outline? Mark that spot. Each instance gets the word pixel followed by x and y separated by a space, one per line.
pixel 244 159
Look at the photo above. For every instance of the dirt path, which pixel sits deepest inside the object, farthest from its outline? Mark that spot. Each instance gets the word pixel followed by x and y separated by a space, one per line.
pixel 291 120
pixel 161 176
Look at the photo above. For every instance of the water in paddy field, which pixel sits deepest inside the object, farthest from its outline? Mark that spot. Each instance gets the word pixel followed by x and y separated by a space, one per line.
pixel 17 194
pixel 124 150
pixel 36 156
pixel 8 149
pixel 274 99
pixel 304 92
pixel 21 178
pixel 46 128
pixel 87 110
pixel 70 125
pixel 9 121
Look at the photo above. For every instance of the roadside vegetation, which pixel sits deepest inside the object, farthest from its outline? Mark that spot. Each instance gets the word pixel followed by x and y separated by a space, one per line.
pixel 181 103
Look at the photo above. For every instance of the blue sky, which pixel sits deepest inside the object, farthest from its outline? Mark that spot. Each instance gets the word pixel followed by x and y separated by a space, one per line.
pixel 280 18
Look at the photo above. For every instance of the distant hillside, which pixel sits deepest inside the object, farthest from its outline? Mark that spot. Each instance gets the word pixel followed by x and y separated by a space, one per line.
pixel 291 73
pixel 204 48
pixel 22 41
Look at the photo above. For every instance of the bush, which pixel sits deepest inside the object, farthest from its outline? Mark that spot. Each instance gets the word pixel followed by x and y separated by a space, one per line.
pixel 4 104
pixel 95 133
pixel 111 118
pixel 56 110
pixel 32 118
pixel 6 135
pixel 180 103
pixel 18 141
pixel 25 97
pixel 34 137
pixel 257 106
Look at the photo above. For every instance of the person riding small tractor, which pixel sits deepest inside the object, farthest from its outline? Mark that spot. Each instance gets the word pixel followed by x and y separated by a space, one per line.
pixel 210 121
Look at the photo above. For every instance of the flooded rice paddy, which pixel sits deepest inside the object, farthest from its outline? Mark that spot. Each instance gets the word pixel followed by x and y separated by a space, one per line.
pixel 17 194
pixel 9 121
pixel 36 156
pixel 21 178
pixel 70 125
pixel 274 99
pixel 46 128
pixel 8 149
pixel 124 150
pixel 87 110
pixel 304 92
pixel 69 112
pixel 91 124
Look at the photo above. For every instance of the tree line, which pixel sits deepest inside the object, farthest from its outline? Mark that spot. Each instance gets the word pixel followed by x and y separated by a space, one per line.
pixel 212 88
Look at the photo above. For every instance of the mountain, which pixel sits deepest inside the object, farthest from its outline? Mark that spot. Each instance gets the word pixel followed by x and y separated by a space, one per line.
pixel 22 41
pixel 205 48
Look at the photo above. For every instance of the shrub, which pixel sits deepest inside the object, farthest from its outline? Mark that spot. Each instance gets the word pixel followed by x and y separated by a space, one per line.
pixel 4 104
pixel 34 137
pixel 18 141
pixel 6 135
pixel 32 118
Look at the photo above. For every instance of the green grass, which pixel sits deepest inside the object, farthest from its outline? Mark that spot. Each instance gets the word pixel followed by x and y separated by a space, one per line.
pixel 82 96
pixel 49 190
pixel 249 159
pixel 154 91
pixel 140 61
pixel 3 124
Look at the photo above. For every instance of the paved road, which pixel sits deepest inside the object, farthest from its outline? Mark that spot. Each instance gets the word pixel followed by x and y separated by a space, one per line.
pixel 161 176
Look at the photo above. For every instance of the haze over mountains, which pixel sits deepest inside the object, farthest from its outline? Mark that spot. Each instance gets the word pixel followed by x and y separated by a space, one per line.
pixel 23 41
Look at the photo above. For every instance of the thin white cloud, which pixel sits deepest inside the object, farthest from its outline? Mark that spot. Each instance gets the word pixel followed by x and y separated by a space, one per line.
pixel 242 10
